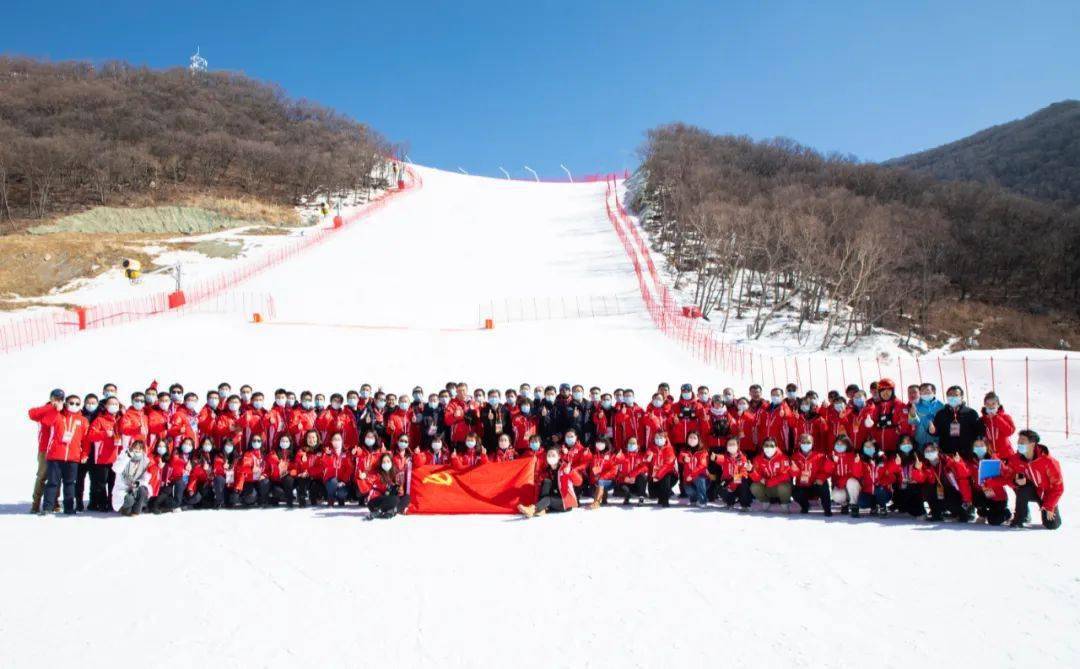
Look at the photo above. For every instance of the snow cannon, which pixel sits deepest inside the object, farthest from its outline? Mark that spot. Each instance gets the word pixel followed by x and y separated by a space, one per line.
pixel 132 269
pixel 489 323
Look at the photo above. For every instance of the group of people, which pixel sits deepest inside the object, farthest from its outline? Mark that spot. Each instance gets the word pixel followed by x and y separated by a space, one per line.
pixel 863 451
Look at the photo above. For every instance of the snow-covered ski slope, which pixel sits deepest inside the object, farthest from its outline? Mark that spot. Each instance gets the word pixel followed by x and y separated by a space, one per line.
pixel 395 300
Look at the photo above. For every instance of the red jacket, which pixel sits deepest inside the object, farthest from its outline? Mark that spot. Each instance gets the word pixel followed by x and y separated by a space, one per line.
pixel 685 417
pixel 776 423
pixel 251 466
pixel 134 426
pixel 67 436
pixel 695 463
pixel 888 420
pixel 654 420
pixel 365 463
pixel 524 429
pixel 183 424
pixel 460 418
pixel 733 468
pixel 771 471
pixel 504 455
pixel 566 478
pixel 379 485
pixel 277 423
pixel 603 423
pixel 301 464
pixel 467 459
pixel 717 429
pixel 951 471
pixel 277 467
pixel 885 473
pixel 810 468
pixel 425 458
pixel 834 427
pixel 338 421
pixel 398 424
pixel 38 415
pixel 105 439
pixel 628 423
pixel 157 422
pixel 631 465
pixel 815 425
pixel 336 466
pixel 662 460
pixel 206 419
pixel 745 428
pixel 604 466
pixel 843 468
pixel 999 427
pixel 255 423
pixel 301 421
pixel 851 424
pixel 203 471
pixel 227 426
pixel 1045 472
pixel 175 469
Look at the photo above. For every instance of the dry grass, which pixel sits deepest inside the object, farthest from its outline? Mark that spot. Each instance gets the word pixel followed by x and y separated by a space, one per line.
pixel 244 208
pixel 998 327
pixel 33 265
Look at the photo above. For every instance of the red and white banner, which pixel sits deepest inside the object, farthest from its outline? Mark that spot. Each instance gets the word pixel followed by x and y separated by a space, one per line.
pixel 496 487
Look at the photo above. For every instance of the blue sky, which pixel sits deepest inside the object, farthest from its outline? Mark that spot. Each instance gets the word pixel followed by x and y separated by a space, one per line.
pixel 484 84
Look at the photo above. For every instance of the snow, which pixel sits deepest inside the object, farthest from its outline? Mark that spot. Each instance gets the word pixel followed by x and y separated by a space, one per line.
pixel 394 301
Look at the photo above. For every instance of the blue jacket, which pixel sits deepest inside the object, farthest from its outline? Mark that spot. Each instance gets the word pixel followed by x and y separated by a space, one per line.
pixel 925 412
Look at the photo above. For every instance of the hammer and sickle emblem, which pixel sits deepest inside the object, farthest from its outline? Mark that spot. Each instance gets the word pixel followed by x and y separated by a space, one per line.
pixel 442 478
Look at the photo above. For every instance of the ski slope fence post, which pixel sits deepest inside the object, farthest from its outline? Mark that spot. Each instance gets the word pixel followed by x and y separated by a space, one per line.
pixel 40 328
pixel 707 345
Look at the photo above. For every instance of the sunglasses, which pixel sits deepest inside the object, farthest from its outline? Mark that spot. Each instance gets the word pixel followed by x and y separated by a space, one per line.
pixel 74 405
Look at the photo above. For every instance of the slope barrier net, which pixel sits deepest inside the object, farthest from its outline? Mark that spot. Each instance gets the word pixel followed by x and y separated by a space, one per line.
pixel 1039 391
pixel 215 294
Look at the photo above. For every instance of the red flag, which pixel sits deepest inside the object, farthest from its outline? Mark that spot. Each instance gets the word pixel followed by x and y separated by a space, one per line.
pixel 495 487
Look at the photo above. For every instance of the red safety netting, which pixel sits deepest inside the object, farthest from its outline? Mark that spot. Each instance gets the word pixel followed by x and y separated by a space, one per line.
pixel 213 294
pixel 1039 392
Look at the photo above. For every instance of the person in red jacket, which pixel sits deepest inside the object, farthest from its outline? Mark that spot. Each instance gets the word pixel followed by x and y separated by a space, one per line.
pixel 808 420
pixel 662 477
pixel 209 413
pixel 811 469
pixel 254 421
pixel 38 415
pixel 999 427
pixel 301 470
pixel 1038 479
pixel 776 421
pixel 877 474
pixel 633 473
pixel 176 472
pixel 302 418
pixel 845 485
pixel 771 477
pixel 438 455
pixel 184 422
pixel 989 498
pixel 67 447
pixel 279 469
pixel 336 419
pixel 557 484
pixel 158 416
pixel 105 445
pixel 524 425
pixel 337 471
pixel 227 424
pixel 946 484
pixel 389 494
pixel 603 471
pixel 251 485
pixel 471 455
pixel 206 484
pixel 694 470
pixel 686 415
pixel 746 427
pixel 885 419
pixel 503 452
pixel 628 422
pixel 733 478
pixel 907 490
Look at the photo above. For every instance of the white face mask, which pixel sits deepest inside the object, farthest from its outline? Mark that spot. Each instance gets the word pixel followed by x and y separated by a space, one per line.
pixel 336 445
pixel 386 466
pixel 228 448
pixel 280 401
pixel 631 448
pixel 190 406
pixel 601 446
pixel 185 449
pixel 234 407
pixel 470 444
pixel 806 447
pixel 769 451
pixel 161 450
pixel 402 445
pixel 212 402
pixel 206 448
pixel 732 449
pixel 256 445
pixel 658 403
pixel 257 404
pixel 692 443
pixel 436 446
pixel 659 441
pixel 369 441
pixel 571 440
pixel 136 455
pixel 552 461
pixel 932 456
pixel 112 408
pixel 284 444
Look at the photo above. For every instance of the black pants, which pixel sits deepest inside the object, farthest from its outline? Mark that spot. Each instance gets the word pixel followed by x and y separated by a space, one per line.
pixel 164 502
pixel 317 491
pixel 639 488
pixel 740 494
pixel 282 490
pixel 303 491
pixel 254 493
pixel 996 511
pixel 209 495
pixel 59 473
pixel 81 474
pixel 388 506
pixel 100 488
pixel 1025 495
pixel 951 502
pixel 660 490
pixel 909 500
pixel 803 495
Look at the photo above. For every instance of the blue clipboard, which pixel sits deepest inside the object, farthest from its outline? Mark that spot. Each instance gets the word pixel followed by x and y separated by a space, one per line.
pixel 989 469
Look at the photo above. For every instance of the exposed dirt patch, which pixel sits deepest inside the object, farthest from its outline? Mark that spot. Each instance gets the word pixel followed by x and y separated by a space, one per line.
pixel 211 248
pixel 981 325
pixel 35 264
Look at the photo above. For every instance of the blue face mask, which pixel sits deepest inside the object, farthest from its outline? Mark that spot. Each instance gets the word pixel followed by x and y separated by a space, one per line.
pixel 905 448
pixel 869 450
pixel 840 448
pixel 526 409
pixel 632 448
pixel 859 402
pixel 493 401
pixel 307 404
pixel 606 404
pixel 777 400
pixel 534 446
pixel 980 451
pixel 578 395
pixel 955 401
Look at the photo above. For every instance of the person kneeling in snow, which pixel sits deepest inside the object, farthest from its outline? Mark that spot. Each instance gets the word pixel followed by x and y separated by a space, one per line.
pixel 556 487
pixel 132 486
pixel 771 476
pixel 1038 479
pixel 389 489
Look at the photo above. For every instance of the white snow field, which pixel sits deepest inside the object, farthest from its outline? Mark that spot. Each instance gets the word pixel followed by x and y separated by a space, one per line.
pixel 394 301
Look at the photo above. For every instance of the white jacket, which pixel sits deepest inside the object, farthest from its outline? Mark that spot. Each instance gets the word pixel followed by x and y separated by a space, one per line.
pixel 124 484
